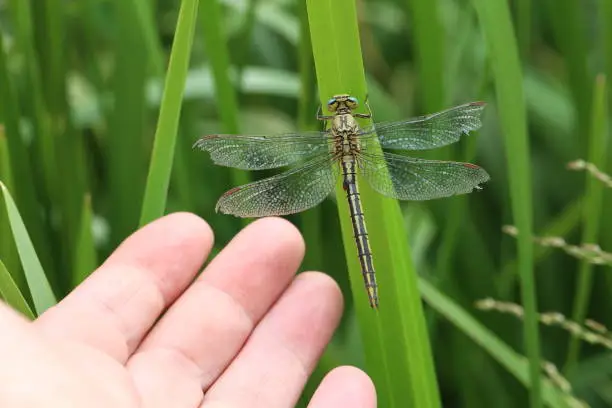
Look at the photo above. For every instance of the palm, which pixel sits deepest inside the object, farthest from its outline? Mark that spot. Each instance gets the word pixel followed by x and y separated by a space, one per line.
pixel 245 333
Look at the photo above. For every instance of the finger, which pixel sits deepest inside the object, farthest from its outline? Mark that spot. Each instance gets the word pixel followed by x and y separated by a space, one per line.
pixel 116 306
pixel 275 363
pixel 345 387
pixel 204 330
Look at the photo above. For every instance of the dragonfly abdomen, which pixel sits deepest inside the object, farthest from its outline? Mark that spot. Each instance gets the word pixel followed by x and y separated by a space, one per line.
pixel 360 231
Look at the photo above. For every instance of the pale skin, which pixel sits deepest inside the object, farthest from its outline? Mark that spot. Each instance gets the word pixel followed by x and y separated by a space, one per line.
pixel 141 332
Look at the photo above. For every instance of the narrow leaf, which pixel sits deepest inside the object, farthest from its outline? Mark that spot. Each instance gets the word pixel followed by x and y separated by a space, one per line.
pixel 154 202
pixel 398 355
pixel 11 294
pixel 496 23
pixel 513 362
pixel 592 208
pixel 85 258
pixel 41 292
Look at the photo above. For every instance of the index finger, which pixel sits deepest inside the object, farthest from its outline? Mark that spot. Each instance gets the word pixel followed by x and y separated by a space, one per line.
pixel 114 308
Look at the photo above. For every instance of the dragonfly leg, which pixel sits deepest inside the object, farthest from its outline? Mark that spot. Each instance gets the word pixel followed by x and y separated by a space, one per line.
pixel 320 116
pixel 365 115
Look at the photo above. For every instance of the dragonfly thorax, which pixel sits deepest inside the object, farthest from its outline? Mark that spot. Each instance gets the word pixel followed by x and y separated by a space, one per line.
pixel 345 131
pixel 344 123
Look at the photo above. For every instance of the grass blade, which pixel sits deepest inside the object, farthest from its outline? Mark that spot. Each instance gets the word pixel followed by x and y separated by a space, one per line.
pixel 592 210
pixel 514 363
pixel 154 202
pixel 7 247
pixel 11 294
pixel 20 162
pixel 66 148
pixel 496 23
pixel 146 23
pixel 398 355
pixel 85 257
pixel 311 220
pixel 41 292
pixel 127 163
pixel 605 12
pixel 215 42
pixel 428 35
pixel 523 25
pixel 567 21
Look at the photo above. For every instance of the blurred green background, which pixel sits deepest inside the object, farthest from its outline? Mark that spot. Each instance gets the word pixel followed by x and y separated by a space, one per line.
pixel 80 87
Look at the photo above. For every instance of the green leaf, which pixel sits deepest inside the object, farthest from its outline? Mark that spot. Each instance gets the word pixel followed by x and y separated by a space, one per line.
pixel 19 160
pixel 145 21
pixel 154 202
pixel 8 252
pixel 127 160
pixel 11 294
pixel 216 45
pixel 523 25
pixel 61 147
pixel 496 23
pixel 592 209
pixel 311 221
pixel 85 257
pixel 428 35
pixel 41 292
pixel 570 34
pixel 513 362
pixel 398 355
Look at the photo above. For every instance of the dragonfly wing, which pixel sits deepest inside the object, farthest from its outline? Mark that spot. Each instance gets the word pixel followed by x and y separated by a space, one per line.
pixel 290 192
pixel 263 152
pixel 431 131
pixel 409 178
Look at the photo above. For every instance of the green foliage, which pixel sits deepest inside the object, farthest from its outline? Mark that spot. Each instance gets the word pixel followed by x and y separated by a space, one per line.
pixel 494 16
pixel 85 257
pixel 42 295
pixel 94 92
pixel 500 351
pixel 592 212
pixel 10 293
pixel 396 344
pixel 160 168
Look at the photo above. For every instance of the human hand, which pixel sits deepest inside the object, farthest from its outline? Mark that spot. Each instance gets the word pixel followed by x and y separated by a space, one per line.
pixel 245 333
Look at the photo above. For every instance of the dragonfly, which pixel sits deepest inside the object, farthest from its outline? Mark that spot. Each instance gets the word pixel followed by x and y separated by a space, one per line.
pixel 349 151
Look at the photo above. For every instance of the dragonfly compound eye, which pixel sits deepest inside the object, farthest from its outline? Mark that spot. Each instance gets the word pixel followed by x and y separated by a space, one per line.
pixel 332 104
pixel 352 102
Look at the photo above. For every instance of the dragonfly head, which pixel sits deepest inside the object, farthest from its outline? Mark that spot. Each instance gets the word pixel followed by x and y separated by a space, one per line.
pixel 342 102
